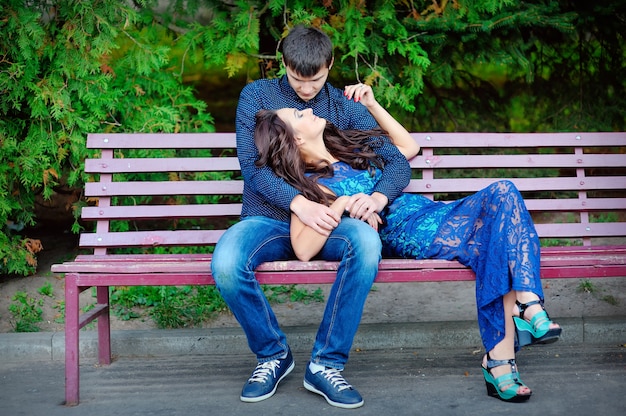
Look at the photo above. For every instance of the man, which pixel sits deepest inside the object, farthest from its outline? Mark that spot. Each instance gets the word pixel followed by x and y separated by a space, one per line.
pixel 263 232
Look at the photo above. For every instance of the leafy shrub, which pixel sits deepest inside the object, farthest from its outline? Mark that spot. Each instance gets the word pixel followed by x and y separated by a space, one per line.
pixel 69 68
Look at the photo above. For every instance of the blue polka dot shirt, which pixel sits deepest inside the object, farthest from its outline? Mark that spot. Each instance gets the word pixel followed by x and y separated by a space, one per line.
pixel 268 195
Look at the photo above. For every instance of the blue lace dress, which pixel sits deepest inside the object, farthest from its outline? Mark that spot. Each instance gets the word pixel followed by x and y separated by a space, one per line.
pixel 490 231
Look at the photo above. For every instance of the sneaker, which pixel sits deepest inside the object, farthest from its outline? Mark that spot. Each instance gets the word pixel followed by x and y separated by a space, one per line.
pixel 264 380
pixel 335 389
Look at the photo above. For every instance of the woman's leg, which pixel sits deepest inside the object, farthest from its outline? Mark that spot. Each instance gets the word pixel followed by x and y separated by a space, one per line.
pixel 493 233
pixel 505 350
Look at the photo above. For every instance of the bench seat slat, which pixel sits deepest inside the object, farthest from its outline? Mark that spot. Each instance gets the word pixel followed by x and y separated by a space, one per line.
pixel 328 276
pixel 198 263
pixel 545 251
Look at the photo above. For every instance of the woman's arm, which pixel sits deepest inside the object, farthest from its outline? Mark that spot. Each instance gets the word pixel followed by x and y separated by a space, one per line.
pixel 398 134
pixel 305 240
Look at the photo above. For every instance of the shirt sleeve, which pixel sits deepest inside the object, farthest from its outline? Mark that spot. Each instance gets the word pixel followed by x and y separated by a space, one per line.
pixel 396 172
pixel 261 180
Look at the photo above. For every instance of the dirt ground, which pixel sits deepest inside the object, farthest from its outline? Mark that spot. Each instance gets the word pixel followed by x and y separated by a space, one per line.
pixel 389 302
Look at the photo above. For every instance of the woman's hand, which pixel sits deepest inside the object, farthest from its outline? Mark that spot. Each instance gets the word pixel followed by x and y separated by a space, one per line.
pixel 374 220
pixel 397 133
pixel 362 206
pixel 360 93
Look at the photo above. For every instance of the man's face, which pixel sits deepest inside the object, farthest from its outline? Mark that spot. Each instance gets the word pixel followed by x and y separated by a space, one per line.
pixel 307 87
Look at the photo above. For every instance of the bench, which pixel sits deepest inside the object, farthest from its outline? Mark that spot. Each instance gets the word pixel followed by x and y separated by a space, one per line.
pixel 574 185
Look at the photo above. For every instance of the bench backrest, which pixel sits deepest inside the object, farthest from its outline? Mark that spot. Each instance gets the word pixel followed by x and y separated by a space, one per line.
pixel 574 183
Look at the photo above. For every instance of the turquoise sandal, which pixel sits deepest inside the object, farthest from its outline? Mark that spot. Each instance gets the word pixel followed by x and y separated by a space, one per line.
pixel 537 331
pixel 512 380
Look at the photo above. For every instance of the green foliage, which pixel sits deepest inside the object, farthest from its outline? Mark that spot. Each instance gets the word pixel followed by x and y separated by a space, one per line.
pixel 586 286
pixel 68 68
pixel 169 306
pixel 46 290
pixel 60 316
pixel 26 312
pixel 189 306
pixel 292 293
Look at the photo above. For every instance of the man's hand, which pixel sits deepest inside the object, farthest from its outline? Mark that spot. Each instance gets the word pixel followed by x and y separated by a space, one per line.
pixel 319 217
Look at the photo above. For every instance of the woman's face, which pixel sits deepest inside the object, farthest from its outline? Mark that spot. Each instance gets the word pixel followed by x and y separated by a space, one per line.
pixel 306 126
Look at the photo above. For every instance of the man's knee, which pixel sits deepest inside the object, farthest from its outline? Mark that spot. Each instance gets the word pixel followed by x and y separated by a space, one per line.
pixel 364 240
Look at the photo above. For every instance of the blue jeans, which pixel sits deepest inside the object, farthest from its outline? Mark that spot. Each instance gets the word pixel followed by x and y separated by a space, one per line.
pixel 258 239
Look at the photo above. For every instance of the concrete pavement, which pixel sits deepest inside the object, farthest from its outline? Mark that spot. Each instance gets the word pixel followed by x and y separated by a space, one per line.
pixel 400 369
pixel 573 380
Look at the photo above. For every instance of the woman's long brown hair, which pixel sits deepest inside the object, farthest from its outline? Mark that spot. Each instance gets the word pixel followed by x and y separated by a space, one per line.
pixel 276 143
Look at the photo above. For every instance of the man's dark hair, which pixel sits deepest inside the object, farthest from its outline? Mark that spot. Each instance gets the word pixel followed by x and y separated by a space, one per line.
pixel 306 50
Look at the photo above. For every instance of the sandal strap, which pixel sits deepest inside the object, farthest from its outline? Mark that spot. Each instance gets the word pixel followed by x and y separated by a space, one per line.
pixel 523 306
pixel 497 363
pixel 506 380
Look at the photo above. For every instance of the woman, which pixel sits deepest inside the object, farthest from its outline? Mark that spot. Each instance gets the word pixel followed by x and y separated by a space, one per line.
pixel 490 231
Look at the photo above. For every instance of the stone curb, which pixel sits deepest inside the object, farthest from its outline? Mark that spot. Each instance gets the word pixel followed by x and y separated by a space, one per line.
pixel 449 334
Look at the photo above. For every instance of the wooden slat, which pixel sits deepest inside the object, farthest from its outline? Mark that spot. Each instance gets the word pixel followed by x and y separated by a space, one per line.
pixel 151 238
pixel 161 140
pixel 519 161
pixel 576 204
pixel 142 212
pixel 518 140
pixel 523 184
pixel 209 237
pixel 198 263
pixel 559 252
pixel 596 229
pixel 328 276
pixel 225 187
pixel 198 164
pixel 431 139
pixel 151 165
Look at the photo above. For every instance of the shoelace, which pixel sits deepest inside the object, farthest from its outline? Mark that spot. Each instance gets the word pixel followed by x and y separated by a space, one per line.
pixel 336 379
pixel 263 370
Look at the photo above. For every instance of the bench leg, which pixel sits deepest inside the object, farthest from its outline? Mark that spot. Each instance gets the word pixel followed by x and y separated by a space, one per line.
pixel 71 340
pixel 104 327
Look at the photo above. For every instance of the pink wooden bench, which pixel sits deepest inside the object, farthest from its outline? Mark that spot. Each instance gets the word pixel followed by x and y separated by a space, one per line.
pixel 574 184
